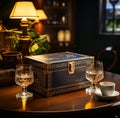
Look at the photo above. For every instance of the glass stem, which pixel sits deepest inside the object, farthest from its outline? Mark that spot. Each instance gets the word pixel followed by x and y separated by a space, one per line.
pixel 93 85
pixel 24 89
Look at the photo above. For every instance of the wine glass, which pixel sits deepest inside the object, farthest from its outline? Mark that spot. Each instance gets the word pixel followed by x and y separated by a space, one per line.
pixel 24 77
pixel 94 74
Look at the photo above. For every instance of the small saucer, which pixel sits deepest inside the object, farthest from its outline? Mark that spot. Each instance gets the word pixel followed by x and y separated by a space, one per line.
pixel 101 97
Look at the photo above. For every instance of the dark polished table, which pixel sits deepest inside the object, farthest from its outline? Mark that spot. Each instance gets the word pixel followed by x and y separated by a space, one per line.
pixel 73 104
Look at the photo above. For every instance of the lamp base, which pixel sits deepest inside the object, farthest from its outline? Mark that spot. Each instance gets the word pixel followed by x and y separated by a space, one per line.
pixel 24 45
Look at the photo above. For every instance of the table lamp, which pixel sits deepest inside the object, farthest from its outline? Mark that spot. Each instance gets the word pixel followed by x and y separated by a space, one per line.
pixel 41 14
pixel 37 24
pixel 24 10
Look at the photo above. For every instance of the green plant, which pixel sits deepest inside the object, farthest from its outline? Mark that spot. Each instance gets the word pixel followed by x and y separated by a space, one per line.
pixel 38 45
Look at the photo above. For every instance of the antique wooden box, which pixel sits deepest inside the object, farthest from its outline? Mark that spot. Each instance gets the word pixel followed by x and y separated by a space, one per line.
pixel 58 73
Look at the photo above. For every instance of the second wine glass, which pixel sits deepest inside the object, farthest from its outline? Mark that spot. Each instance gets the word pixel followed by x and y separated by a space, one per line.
pixel 94 74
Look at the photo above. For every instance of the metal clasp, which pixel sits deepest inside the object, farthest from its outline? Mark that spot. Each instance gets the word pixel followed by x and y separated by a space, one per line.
pixel 71 67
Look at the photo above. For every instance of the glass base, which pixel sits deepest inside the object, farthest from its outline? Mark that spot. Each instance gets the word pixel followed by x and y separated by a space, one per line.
pixel 23 94
pixel 91 90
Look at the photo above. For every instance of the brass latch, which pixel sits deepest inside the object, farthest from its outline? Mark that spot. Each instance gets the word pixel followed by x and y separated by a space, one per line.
pixel 71 67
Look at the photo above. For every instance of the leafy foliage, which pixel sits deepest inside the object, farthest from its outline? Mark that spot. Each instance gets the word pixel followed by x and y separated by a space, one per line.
pixel 38 45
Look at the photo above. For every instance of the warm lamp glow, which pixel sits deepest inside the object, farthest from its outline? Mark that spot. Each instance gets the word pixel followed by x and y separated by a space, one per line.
pixel 41 14
pixel 23 10
pixel 67 35
pixel 61 36
pixel 37 24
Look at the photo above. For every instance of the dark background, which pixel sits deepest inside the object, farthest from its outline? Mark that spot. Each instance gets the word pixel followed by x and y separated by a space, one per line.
pixel 87 38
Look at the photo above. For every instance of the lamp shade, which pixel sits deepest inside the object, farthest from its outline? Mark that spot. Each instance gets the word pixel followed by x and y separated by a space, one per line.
pixel 22 10
pixel 41 14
